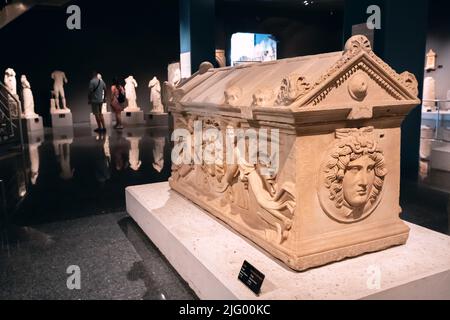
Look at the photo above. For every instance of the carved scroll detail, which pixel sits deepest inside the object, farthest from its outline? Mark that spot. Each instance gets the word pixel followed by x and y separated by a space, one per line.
pixel 292 88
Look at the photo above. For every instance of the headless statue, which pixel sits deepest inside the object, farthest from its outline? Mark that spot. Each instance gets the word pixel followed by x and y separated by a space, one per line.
pixel 59 79
pixel 155 96
pixel 28 99
pixel 10 81
pixel 130 91
pixel 11 84
pixel 104 105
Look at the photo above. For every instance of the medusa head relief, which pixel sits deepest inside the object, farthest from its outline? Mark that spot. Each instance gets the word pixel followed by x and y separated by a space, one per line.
pixel 352 175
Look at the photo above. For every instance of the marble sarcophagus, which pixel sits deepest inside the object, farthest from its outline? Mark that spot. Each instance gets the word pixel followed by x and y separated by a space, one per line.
pixel 325 183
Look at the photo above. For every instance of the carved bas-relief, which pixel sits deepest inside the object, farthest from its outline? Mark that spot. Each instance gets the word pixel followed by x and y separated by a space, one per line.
pixel 301 155
pixel 232 96
pixel 353 175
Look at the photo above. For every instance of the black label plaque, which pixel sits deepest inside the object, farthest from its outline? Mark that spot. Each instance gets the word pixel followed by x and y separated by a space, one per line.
pixel 251 277
pixel 62 116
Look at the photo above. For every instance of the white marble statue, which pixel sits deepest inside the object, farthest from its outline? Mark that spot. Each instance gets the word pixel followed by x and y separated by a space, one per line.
pixel 28 99
pixel 155 96
pixel 135 163
pixel 10 80
pixel 35 162
pixel 11 84
pixel 104 105
pixel 158 153
pixel 59 79
pixel 174 73
pixel 130 91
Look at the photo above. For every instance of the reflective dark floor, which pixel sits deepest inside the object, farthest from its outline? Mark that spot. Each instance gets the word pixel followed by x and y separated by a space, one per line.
pixel 63 204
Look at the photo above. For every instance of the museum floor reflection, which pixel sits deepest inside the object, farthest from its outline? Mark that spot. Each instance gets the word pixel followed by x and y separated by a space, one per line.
pixel 77 173
pixel 63 203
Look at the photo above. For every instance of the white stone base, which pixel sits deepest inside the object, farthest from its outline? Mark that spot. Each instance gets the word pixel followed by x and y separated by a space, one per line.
pixel 108 120
pixel 34 124
pixel 133 117
pixel 62 120
pixel 209 256
pixel 157 119
pixel 440 158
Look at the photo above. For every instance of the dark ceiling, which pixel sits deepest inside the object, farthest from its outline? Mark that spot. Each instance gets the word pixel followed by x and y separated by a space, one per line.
pixel 289 4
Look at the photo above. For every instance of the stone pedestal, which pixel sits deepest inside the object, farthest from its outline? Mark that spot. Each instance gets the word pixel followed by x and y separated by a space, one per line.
pixel 62 120
pixel 157 119
pixel 133 117
pixel 108 120
pixel 440 158
pixel 33 124
pixel 208 255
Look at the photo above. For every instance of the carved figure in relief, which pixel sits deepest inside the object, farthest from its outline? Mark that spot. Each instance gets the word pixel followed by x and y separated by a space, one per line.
pixel 354 175
pixel 232 95
pixel 262 97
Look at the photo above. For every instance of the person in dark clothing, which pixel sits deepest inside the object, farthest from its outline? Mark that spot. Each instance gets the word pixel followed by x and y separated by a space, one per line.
pixel 97 96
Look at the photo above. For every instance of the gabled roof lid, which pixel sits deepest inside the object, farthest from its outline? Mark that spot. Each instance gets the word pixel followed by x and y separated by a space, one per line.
pixel 296 82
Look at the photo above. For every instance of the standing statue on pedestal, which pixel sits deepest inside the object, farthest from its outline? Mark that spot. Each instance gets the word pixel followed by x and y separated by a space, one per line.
pixel 104 105
pixel 10 80
pixel 11 83
pixel 155 96
pixel 130 91
pixel 59 78
pixel 28 99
